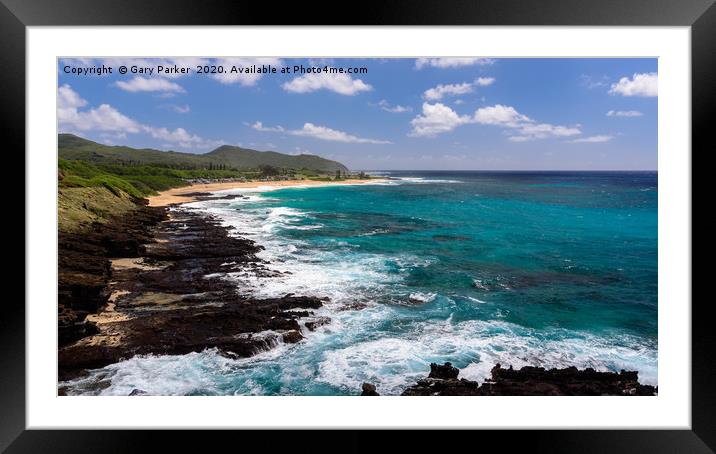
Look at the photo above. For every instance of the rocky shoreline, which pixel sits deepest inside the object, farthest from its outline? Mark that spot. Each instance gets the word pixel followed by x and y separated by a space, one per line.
pixel 528 381
pixel 152 282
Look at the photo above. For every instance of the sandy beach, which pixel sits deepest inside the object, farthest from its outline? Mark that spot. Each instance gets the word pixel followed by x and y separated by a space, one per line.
pixel 190 193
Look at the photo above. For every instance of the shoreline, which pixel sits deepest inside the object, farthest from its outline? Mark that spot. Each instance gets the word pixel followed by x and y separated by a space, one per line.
pixel 159 290
pixel 192 192
pixel 181 305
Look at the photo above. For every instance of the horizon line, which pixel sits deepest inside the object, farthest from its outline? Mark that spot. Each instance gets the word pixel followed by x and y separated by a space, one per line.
pixel 507 170
pixel 370 170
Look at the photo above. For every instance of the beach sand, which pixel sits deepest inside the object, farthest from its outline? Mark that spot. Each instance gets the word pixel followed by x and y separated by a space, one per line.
pixel 189 193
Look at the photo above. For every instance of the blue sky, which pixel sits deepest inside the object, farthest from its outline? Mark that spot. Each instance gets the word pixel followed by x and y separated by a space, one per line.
pixel 409 114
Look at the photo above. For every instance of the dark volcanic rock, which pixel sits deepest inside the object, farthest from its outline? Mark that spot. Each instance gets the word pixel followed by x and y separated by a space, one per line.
pixel 314 324
pixel 532 381
pixel 173 298
pixel 569 381
pixel 368 390
pixel 441 387
pixel 291 337
pixel 234 327
pixel 73 326
pixel 445 371
pixel 84 267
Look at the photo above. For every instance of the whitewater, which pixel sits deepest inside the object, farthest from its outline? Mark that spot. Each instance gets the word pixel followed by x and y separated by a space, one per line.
pixel 553 270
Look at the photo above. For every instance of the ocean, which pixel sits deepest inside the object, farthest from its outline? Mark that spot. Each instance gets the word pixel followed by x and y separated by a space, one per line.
pixel 551 269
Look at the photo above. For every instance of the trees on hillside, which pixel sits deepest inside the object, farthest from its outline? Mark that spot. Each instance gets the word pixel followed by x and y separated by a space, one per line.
pixel 269 171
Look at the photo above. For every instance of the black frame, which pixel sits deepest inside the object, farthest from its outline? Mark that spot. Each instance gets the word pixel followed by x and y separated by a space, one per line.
pixel 15 15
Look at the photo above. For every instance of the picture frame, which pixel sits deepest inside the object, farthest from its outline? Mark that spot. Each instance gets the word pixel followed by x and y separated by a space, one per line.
pixel 16 16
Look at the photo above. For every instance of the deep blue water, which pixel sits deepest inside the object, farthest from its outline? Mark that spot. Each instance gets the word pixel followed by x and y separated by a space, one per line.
pixel 521 268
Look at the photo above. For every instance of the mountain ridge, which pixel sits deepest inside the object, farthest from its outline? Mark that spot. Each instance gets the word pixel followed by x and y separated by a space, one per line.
pixel 73 147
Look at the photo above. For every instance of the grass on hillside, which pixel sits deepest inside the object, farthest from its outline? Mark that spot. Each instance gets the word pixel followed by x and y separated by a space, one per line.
pixel 135 180
pixel 90 191
pixel 78 207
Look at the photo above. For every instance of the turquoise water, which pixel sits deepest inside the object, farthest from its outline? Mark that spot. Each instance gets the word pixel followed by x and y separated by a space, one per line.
pixel 552 269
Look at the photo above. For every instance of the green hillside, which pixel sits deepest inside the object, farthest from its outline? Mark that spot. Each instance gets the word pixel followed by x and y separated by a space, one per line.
pixel 72 147
pixel 245 158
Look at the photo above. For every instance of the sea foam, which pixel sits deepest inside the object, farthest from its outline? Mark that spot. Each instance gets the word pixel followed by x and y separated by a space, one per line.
pixel 390 345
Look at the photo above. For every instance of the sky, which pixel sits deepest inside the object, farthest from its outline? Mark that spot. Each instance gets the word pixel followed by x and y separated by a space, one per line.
pixel 377 114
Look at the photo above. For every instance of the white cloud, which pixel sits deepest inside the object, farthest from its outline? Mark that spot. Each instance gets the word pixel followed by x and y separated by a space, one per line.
pixel 165 95
pixel 624 113
pixel 324 133
pixel 243 76
pixel 385 105
pixel 519 138
pixel 318 132
pixel 545 130
pixel 645 84
pixel 525 128
pixel 181 109
pixel 107 119
pixel 67 98
pixel 436 119
pixel 102 118
pixel 439 92
pixel 181 137
pixel 500 115
pixel 339 83
pixel 451 62
pixel 138 84
pixel 436 93
pixel 260 127
pixel 592 82
pixel 459 102
pixel 484 81
pixel 593 139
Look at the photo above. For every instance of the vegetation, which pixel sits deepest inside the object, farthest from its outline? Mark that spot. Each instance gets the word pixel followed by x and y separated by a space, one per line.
pixel 269 171
pixel 135 180
pixel 225 157
pixel 95 180
pixel 321 179
pixel 78 207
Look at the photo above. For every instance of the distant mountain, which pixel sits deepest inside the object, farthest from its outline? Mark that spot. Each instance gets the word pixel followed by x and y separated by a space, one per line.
pixel 246 158
pixel 74 147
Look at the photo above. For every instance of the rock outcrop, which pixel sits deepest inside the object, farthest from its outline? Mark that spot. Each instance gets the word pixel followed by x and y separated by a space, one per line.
pixel 156 283
pixel 368 390
pixel 84 267
pixel 444 372
pixel 531 381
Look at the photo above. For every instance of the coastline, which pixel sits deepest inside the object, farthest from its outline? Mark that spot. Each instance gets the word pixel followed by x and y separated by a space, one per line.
pixel 191 193
pixel 167 298
pixel 159 291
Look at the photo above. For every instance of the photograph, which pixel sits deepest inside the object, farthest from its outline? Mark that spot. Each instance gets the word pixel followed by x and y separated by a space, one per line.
pixel 345 226
pixel 449 218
